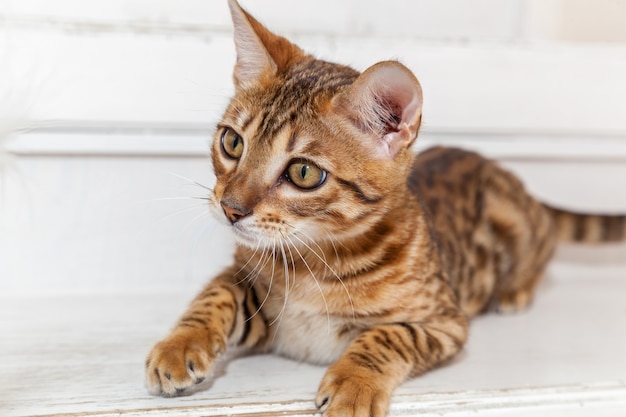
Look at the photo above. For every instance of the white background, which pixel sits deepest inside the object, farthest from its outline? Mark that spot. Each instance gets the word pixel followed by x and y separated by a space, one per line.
pixel 125 94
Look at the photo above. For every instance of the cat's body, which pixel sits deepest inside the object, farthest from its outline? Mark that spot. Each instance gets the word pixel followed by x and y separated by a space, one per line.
pixel 352 251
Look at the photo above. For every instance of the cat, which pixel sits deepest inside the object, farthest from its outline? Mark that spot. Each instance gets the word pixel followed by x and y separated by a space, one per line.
pixel 352 250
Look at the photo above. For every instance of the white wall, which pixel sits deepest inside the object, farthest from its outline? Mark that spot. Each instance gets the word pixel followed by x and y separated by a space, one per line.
pixel 129 90
pixel 482 63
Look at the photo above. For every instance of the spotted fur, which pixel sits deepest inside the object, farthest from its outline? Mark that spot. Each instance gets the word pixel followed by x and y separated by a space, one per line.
pixel 376 269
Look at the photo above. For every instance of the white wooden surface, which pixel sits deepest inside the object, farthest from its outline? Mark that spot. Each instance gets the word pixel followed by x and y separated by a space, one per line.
pixel 83 355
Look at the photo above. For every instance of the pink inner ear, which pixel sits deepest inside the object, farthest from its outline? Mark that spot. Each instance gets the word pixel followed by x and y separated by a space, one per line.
pixel 390 114
pixel 388 99
pixel 393 142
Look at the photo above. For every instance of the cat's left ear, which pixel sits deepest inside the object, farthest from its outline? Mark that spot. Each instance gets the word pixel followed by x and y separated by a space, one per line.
pixel 385 102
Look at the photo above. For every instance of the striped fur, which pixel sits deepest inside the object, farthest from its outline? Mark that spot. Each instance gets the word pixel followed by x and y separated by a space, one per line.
pixel 377 269
pixel 588 228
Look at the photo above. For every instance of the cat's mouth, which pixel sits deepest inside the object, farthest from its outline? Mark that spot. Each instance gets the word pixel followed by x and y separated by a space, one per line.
pixel 245 236
pixel 256 237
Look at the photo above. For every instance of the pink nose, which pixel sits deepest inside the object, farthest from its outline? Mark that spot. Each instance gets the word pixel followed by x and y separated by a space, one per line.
pixel 234 213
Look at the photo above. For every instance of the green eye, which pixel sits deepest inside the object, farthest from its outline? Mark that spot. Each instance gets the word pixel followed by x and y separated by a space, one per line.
pixel 232 143
pixel 305 175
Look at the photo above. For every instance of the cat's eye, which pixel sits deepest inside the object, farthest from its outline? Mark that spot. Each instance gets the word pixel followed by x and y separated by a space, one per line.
pixel 305 175
pixel 232 143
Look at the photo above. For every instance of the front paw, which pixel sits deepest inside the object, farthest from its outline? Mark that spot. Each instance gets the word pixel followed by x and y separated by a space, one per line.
pixel 182 360
pixel 353 392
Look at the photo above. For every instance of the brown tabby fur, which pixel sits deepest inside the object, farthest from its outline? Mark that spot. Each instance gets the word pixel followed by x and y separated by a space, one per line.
pixel 376 271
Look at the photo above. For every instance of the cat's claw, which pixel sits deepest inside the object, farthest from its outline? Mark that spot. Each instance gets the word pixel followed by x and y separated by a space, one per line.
pixel 352 395
pixel 181 361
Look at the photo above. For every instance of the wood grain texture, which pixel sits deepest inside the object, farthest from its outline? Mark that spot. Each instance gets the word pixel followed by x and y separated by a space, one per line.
pixel 83 355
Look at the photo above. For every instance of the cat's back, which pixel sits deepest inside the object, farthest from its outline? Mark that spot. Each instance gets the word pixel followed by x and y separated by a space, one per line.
pixel 444 173
pixel 450 184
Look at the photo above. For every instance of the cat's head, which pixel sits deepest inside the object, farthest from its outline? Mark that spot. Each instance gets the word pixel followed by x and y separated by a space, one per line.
pixel 307 149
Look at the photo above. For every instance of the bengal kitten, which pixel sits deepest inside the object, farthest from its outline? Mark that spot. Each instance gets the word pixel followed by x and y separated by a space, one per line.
pixel 351 250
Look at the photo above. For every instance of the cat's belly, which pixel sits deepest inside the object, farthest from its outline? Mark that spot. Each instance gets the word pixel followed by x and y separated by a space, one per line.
pixel 311 338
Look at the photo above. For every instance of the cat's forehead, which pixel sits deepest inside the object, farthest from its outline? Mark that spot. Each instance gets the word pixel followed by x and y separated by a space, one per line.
pixel 316 76
pixel 291 96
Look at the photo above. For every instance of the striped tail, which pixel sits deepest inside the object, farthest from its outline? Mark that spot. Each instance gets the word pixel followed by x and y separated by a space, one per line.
pixel 588 228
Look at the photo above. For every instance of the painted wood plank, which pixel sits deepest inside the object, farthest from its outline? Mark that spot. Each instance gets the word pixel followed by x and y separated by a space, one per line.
pixel 118 78
pixel 84 355
pixel 186 140
pixel 429 19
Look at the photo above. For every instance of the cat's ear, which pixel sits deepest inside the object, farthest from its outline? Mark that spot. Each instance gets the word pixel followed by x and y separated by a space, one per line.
pixel 385 103
pixel 260 53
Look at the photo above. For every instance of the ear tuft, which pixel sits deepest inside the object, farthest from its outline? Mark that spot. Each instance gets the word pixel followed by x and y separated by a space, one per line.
pixel 385 102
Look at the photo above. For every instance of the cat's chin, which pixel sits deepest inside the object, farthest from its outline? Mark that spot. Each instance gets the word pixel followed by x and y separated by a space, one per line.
pixel 246 238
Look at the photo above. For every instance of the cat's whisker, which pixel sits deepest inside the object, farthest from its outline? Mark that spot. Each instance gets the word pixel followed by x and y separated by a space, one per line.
pixel 314 278
pixel 266 255
pixel 345 288
pixel 176 198
pixel 321 257
pixel 258 245
pixel 269 287
pixel 263 263
pixel 321 252
pixel 191 182
pixel 255 270
pixel 287 282
pixel 332 241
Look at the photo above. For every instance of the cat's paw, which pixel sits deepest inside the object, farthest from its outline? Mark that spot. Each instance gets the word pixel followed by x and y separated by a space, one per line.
pixel 352 393
pixel 182 360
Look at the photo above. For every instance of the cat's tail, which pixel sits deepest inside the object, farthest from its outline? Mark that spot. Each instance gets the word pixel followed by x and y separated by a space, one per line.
pixel 588 228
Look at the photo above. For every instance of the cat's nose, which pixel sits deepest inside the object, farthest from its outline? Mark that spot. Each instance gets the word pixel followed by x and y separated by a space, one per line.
pixel 233 212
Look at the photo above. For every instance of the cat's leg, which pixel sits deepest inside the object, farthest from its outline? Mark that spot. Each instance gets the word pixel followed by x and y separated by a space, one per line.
pixel 361 382
pixel 221 316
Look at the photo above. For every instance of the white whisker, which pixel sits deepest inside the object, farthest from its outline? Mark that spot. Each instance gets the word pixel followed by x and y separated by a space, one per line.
pixel 175 199
pixel 287 281
pixel 255 269
pixel 269 287
pixel 191 182
pixel 258 245
pixel 345 288
pixel 332 242
pixel 314 279
pixel 267 257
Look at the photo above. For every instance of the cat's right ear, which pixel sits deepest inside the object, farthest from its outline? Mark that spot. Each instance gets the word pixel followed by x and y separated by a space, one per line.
pixel 260 53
